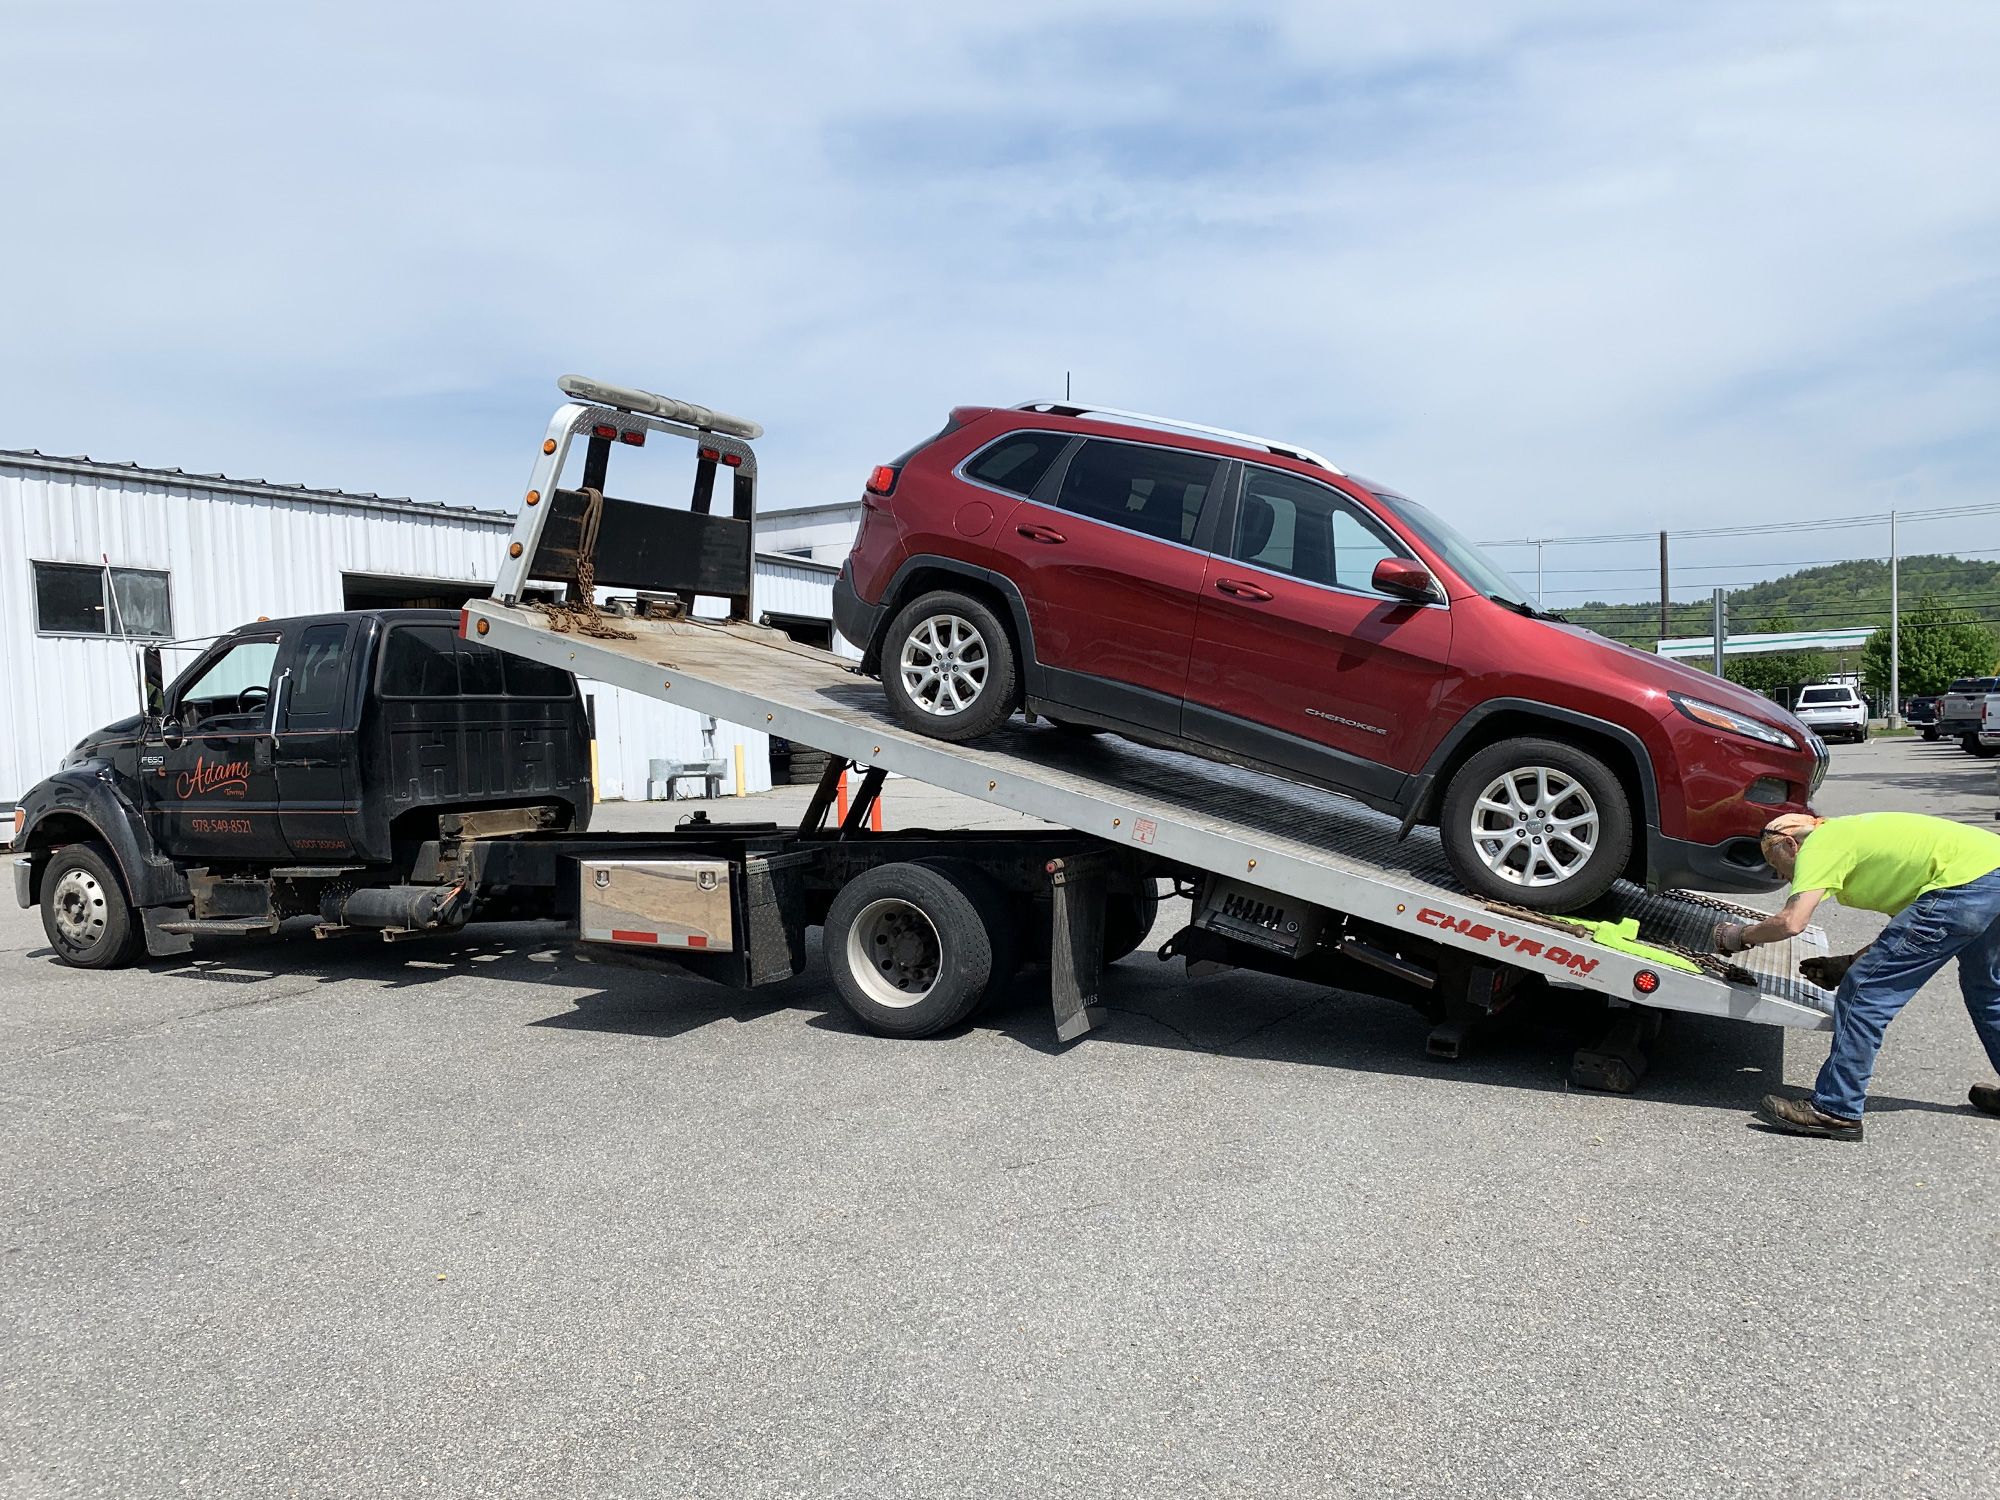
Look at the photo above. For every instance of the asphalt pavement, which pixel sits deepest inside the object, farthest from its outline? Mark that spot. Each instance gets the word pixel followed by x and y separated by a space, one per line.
pixel 473 1218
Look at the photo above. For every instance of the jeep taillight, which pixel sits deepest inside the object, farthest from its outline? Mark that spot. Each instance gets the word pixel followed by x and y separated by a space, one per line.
pixel 882 481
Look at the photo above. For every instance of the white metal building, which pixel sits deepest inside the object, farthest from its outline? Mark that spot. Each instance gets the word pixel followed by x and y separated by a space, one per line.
pixel 95 556
pixel 820 532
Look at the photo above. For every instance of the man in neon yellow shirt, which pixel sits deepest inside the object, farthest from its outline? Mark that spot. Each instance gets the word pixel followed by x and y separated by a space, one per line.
pixel 1939 884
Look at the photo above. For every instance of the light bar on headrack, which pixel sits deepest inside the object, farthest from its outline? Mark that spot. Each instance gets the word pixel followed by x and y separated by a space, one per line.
pixel 628 398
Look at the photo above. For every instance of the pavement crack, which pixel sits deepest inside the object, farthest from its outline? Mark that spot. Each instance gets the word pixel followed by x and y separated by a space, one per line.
pixel 126 1034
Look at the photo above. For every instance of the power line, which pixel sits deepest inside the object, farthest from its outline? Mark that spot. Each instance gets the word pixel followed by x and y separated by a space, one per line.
pixel 1830 523
pixel 1796 562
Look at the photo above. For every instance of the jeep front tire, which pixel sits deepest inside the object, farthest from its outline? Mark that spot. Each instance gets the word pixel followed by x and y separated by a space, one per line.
pixel 1538 823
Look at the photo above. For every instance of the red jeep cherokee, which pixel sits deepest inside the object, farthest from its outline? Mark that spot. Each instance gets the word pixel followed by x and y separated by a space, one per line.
pixel 1247 601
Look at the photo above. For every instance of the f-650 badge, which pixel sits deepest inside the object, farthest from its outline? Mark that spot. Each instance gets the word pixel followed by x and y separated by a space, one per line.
pixel 229 778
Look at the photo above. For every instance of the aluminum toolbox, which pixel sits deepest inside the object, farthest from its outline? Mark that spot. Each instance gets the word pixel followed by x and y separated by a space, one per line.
pixel 656 903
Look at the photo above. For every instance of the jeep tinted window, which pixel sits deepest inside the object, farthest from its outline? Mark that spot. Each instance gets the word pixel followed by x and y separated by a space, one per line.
pixel 1291 525
pixel 1152 490
pixel 1017 461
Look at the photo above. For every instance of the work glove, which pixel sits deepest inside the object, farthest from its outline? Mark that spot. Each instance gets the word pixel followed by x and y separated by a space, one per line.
pixel 1829 971
pixel 1729 937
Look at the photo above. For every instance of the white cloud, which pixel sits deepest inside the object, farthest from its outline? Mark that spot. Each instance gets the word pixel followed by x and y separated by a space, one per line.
pixel 1553 270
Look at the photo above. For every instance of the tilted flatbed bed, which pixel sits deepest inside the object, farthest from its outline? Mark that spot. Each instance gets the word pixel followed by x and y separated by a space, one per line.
pixel 1277 869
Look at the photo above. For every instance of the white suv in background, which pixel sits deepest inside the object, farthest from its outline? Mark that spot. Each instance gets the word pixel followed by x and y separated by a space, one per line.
pixel 1833 711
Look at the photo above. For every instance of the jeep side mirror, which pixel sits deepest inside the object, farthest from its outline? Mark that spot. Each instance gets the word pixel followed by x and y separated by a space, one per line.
pixel 1400 578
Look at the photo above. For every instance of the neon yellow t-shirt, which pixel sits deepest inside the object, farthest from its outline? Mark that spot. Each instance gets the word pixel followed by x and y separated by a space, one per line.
pixel 1883 861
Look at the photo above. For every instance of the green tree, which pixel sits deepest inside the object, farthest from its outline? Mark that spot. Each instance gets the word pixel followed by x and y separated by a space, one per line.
pixel 1774 673
pixel 1939 643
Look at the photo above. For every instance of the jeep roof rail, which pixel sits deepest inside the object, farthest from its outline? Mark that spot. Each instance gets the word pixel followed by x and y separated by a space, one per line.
pixel 1249 439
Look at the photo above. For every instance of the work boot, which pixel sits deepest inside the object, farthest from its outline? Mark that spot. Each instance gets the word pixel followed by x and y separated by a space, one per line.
pixel 1985 1096
pixel 1803 1117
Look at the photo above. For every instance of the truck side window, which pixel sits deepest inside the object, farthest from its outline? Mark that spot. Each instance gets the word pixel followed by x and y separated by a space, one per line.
pixel 236 682
pixel 420 661
pixel 319 672
pixel 478 670
pixel 536 679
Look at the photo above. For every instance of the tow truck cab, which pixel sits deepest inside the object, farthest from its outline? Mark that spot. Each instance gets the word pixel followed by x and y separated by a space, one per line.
pixel 317 750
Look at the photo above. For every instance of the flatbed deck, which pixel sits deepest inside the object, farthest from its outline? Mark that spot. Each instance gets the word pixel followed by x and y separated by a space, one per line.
pixel 1294 840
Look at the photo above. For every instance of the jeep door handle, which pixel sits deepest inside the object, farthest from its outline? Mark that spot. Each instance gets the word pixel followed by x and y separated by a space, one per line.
pixel 1041 533
pixel 1236 589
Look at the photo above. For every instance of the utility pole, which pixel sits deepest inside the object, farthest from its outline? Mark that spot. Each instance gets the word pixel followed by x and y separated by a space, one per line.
pixel 1664 607
pixel 1065 385
pixel 1895 715
pixel 1721 629
pixel 1538 572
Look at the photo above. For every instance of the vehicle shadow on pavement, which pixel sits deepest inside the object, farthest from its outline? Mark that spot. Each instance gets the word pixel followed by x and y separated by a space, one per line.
pixel 1696 1060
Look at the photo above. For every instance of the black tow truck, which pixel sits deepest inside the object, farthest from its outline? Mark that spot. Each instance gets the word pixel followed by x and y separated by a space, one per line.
pixel 328 765
pixel 380 771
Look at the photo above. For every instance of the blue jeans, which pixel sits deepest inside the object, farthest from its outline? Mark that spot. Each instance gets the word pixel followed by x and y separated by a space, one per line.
pixel 1962 922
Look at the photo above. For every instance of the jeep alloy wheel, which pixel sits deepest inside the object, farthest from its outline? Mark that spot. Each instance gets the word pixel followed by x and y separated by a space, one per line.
pixel 1535 826
pixel 944 665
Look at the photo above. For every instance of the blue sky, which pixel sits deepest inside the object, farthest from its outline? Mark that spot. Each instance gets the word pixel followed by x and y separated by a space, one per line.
pixel 1556 268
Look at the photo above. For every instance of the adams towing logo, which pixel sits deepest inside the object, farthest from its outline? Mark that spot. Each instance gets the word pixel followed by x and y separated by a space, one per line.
pixel 1513 942
pixel 229 778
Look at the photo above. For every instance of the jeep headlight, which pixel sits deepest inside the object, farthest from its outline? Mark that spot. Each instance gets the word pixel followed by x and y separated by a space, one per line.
pixel 1731 722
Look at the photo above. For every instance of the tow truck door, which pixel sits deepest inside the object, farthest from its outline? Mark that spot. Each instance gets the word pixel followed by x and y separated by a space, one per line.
pixel 211 785
pixel 315 754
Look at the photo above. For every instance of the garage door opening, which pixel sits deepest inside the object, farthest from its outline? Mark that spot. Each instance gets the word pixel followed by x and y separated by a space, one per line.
pixel 384 591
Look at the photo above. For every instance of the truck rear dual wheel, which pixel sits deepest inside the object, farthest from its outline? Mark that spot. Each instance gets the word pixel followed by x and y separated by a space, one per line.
pixel 85 915
pixel 1969 743
pixel 914 948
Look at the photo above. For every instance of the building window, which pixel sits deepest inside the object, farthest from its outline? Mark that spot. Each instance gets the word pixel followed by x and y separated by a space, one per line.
pixel 73 599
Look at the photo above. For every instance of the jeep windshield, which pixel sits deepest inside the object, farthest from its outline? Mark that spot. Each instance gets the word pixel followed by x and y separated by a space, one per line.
pixel 1466 560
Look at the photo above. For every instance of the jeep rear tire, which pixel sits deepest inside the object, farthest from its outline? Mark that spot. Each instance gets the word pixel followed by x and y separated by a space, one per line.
pixel 85 915
pixel 949 667
pixel 1538 823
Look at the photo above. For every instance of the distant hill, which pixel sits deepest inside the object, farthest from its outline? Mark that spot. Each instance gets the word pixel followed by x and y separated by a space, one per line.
pixel 1838 596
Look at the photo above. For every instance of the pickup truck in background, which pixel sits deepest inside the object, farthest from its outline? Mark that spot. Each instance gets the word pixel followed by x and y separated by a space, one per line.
pixel 1922 714
pixel 1986 743
pixel 1962 710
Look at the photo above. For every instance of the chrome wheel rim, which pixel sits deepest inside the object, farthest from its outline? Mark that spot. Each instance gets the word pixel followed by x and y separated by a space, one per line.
pixel 894 953
pixel 81 910
pixel 1535 826
pixel 944 664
